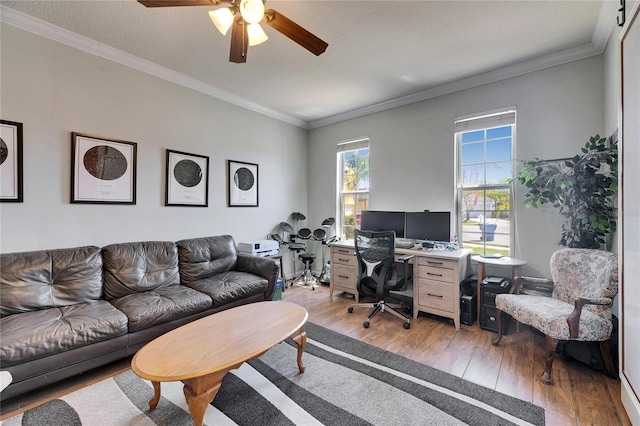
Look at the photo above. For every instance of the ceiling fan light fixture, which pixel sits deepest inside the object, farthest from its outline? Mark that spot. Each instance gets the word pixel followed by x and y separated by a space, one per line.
pixel 252 11
pixel 222 18
pixel 256 34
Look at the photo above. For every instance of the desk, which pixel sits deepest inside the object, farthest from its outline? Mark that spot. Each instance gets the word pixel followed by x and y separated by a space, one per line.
pixel 436 277
pixel 514 263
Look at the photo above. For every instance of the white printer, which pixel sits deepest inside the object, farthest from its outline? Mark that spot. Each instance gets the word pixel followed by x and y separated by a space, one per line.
pixel 258 248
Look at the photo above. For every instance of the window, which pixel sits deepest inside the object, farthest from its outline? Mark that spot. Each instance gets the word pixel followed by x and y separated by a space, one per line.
pixel 353 185
pixel 484 164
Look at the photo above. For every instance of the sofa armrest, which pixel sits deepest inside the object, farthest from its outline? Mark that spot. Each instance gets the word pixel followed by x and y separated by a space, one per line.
pixel 261 266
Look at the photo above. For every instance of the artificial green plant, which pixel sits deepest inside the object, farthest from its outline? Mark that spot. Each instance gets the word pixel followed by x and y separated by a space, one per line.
pixel 583 188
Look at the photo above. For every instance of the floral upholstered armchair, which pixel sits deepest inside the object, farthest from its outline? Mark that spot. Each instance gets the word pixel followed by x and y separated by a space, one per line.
pixel 585 284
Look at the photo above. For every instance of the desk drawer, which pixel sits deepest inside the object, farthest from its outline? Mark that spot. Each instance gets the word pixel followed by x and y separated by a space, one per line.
pixel 340 258
pixel 436 263
pixel 437 274
pixel 436 295
pixel 343 276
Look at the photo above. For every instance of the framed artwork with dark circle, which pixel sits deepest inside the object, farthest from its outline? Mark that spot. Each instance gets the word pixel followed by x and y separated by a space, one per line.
pixel 11 187
pixel 187 179
pixel 243 184
pixel 103 171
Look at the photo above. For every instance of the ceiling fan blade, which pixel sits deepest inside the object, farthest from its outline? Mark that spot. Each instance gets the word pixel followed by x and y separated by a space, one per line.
pixel 295 32
pixel 239 42
pixel 173 3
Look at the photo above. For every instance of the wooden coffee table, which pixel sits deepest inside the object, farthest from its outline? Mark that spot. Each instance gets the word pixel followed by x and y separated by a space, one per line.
pixel 199 354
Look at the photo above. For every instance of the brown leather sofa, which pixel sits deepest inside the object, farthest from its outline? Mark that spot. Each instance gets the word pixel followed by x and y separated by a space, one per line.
pixel 66 311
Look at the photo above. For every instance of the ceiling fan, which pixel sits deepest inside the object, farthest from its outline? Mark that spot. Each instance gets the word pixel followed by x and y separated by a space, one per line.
pixel 244 17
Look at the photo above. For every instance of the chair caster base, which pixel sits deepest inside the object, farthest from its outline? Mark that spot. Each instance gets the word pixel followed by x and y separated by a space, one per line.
pixel 406 325
pixel 366 324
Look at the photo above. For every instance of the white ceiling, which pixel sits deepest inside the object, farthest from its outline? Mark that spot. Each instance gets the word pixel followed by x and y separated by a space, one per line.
pixel 381 53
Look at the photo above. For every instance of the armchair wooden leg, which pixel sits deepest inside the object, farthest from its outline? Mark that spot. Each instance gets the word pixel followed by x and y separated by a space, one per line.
pixel 497 339
pixel 551 345
pixel 606 357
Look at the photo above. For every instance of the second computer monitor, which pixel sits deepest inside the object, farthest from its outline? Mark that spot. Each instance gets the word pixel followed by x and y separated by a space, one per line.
pixel 379 220
pixel 431 226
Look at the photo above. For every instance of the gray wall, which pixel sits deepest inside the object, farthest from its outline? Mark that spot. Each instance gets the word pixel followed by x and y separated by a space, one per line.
pixel 412 147
pixel 54 89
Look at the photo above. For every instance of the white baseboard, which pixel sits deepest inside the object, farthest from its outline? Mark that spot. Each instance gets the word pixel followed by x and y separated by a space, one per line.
pixel 630 401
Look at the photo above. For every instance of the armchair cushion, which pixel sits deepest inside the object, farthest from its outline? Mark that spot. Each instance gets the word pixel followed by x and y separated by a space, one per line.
pixel 550 316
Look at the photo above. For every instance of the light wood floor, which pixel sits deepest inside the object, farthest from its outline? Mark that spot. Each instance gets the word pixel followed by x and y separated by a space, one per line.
pixel 579 397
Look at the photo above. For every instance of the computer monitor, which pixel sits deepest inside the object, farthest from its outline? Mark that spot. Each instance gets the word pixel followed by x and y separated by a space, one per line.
pixel 379 220
pixel 431 226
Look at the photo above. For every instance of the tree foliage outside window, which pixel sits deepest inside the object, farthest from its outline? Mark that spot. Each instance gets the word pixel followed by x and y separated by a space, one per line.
pixel 353 169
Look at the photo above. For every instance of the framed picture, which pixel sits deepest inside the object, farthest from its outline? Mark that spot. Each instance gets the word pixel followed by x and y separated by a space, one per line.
pixel 10 161
pixel 103 171
pixel 187 179
pixel 243 184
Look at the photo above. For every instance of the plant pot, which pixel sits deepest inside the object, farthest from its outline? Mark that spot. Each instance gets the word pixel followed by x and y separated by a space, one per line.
pixel 488 231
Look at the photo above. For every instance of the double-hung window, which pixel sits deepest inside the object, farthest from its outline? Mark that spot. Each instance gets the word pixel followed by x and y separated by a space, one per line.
pixel 484 164
pixel 353 185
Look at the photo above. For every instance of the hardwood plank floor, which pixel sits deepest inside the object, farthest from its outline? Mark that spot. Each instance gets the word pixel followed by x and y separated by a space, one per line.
pixel 579 397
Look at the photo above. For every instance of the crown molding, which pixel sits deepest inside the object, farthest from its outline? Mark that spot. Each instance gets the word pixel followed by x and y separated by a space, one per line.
pixel 604 25
pixel 525 67
pixel 45 29
pixel 598 43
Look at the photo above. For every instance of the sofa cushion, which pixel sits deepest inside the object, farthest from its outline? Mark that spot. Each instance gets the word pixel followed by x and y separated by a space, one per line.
pixel 45 279
pixel 161 305
pixel 206 257
pixel 131 268
pixel 230 286
pixel 32 335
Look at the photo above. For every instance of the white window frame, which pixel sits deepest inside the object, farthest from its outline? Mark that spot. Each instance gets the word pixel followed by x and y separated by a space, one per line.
pixel 487 120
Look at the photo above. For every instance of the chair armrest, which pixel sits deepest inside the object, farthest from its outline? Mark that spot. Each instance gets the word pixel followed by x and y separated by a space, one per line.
pixel 406 257
pixel 574 319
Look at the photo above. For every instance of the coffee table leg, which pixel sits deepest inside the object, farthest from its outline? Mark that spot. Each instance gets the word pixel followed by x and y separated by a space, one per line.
pixel 300 337
pixel 153 403
pixel 198 403
pixel 200 391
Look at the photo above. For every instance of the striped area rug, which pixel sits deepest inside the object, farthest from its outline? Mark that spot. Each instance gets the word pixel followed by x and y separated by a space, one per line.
pixel 346 382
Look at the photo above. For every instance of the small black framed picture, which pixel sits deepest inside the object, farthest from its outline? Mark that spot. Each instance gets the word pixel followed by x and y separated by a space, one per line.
pixel 187 179
pixel 11 186
pixel 243 184
pixel 103 171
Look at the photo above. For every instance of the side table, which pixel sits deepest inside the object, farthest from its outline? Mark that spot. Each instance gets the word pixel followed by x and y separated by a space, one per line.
pixel 514 263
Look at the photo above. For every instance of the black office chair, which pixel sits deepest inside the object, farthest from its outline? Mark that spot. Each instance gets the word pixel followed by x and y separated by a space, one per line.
pixel 377 274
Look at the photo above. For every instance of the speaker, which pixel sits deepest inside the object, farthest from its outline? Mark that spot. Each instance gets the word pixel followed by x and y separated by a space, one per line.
pixel 468 309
